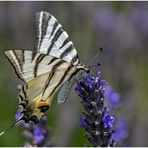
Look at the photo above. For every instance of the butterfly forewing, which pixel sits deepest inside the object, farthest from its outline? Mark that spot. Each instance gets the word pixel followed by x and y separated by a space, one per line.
pixel 28 65
pixel 53 40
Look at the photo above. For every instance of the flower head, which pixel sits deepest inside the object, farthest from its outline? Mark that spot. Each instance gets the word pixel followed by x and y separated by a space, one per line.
pixel 36 135
pixel 95 119
pixel 112 97
pixel 107 119
pixel 121 132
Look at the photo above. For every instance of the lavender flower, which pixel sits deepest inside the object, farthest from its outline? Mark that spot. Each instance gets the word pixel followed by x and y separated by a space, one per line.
pixel 96 119
pixel 121 132
pixel 37 135
pixel 113 99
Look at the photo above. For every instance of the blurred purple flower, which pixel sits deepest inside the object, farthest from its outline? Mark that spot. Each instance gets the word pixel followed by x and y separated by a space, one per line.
pixel 106 19
pixel 95 119
pixel 112 97
pixel 121 132
pixel 140 18
pixel 37 135
pixel 18 115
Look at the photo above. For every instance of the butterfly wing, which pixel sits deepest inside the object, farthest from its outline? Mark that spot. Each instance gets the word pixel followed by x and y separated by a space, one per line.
pixel 39 92
pixel 51 39
pixel 43 87
pixel 57 81
pixel 44 74
pixel 30 96
pixel 28 64
pixel 33 89
pixel 64 91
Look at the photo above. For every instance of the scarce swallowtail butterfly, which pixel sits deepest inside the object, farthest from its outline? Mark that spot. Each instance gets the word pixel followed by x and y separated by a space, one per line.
pixel 52 66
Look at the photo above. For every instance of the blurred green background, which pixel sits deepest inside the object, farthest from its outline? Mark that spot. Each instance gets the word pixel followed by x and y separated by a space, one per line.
pixel 120 28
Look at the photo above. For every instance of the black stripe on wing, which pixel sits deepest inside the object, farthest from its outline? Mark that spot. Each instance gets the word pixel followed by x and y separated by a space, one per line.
pixel 53 40
pixel 66 51
pixel 62 79
pixel 12 57
pixel 54 28
pixel 60 62
pixel 42 20
pixel 38 60
pixel 75 59
pixel 65 42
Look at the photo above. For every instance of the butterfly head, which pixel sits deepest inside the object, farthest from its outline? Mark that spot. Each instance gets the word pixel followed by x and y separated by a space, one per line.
pixel 82 71
pixel 83 67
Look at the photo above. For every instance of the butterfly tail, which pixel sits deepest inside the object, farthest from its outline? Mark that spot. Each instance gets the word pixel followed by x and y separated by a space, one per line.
pixel 17 121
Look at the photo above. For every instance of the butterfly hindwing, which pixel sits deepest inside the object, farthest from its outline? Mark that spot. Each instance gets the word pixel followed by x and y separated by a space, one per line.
pixel 35 87
pixel 64 91
pixel 59 78
pixel 43 87
pixel 51 39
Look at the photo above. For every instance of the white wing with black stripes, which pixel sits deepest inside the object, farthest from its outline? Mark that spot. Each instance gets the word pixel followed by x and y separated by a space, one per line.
pixel 28 65
pixel 51 39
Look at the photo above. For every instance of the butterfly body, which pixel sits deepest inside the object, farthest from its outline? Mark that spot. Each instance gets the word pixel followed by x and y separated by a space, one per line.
pixel 52 67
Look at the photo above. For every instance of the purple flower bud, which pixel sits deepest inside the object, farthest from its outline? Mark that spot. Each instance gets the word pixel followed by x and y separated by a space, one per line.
pixel 107 119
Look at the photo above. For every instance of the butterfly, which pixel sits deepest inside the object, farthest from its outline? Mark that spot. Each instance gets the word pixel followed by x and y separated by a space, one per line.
pixel 50 68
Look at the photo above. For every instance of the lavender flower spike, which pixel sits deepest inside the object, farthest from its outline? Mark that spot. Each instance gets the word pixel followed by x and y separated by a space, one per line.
pixel 36 135
pixel 95 119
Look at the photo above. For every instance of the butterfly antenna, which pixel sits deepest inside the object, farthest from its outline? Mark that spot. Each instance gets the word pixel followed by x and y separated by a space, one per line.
pixel 11 126
pixel 90 64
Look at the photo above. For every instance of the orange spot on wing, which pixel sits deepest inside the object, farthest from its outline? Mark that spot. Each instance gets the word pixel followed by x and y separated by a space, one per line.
pixel 40 104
